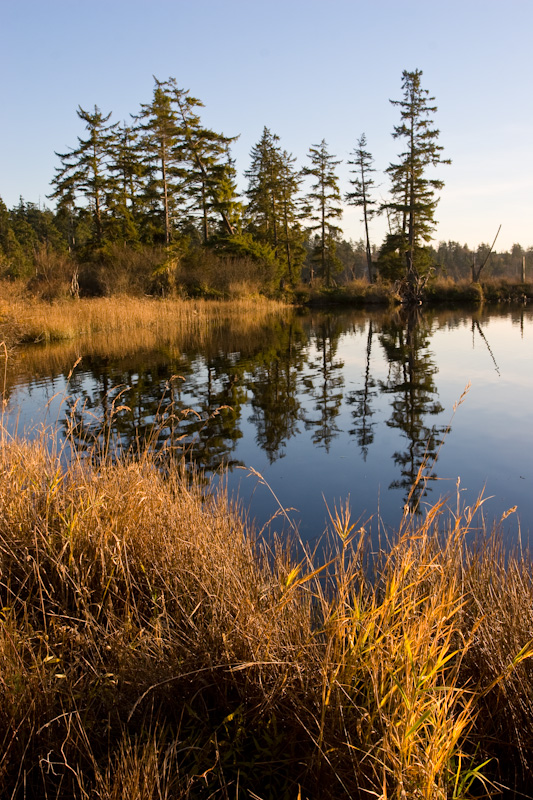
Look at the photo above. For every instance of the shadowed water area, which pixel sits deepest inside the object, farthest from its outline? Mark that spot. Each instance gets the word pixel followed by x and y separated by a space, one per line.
pixel 324 406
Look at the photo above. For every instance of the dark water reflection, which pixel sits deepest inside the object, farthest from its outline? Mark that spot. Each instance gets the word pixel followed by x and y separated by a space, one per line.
pixel 323 405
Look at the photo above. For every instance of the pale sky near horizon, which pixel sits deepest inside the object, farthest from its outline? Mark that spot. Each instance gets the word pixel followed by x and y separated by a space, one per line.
pixel 308 70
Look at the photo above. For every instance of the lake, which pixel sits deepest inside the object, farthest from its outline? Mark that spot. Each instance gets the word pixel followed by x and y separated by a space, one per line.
pixel 325 406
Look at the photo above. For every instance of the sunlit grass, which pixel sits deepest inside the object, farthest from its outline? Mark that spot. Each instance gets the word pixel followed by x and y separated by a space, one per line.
pixel 28 319
pixel 151 647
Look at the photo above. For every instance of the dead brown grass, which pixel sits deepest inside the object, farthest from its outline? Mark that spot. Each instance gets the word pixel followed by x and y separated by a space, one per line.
pixel 32 320
pixel 150 648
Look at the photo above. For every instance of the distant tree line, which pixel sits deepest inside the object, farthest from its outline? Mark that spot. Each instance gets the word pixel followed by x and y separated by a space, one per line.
pixel 152 205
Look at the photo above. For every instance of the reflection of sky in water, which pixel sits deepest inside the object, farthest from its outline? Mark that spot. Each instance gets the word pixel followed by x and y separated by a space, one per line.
pixel 490 442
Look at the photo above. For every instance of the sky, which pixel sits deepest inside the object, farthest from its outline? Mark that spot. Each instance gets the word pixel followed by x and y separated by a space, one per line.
pixel 307 69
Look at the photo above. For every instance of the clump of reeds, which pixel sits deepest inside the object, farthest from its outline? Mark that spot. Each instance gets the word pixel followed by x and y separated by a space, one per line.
pixel 33 320
pixel 450 291
pixel 151 647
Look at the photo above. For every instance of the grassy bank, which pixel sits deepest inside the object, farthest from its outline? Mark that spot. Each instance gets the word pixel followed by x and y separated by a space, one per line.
pixel 27 318
pixel 491 290
pixel 151 648
pixel 439 291
pixel 24 318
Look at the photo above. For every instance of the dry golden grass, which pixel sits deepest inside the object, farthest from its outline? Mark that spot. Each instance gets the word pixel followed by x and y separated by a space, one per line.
pixel 28 319
pixel 149 648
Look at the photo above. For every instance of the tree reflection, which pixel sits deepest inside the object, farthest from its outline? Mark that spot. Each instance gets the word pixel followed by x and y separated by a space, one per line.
pixel 217 391
pixel 325 384
pixel 274 384
pixel 477 327
pixel 405 340
pixel 112 410
pixel 192 404
pixel 361 399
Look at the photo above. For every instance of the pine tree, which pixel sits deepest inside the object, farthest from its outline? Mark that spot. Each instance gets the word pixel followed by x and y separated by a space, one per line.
pixel 413 194
pixel 84 170
pixel 210 174
pixel 321 206
pixel 264 189
pixel 159 127
pixel 272 211
pixel 126 165
pixel 360 196
pixel 291 237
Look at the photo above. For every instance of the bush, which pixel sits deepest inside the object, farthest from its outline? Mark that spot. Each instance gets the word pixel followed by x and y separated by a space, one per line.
pixel 56 275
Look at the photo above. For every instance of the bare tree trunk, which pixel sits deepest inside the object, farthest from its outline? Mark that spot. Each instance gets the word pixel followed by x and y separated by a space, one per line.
pixel 165 198
pixel 476 274
pixel 205 221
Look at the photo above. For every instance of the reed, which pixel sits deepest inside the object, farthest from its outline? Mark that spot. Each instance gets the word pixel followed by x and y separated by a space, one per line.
pixel 28 319
pixel 152 646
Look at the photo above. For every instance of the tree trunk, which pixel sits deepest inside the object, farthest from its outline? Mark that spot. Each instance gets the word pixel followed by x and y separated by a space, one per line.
pixel 165 197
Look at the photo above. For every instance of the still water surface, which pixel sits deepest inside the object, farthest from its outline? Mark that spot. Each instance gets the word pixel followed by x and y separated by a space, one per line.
pixel 325 406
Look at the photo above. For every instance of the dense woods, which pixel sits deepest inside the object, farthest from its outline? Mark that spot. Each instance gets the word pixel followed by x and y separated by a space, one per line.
pixel 151 206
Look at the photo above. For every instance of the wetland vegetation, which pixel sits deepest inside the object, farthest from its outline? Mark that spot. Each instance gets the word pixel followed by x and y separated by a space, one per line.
pixel 154 642
pixel 152 645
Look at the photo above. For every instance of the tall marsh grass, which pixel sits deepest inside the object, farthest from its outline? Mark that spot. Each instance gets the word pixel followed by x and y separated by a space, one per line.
pixel 152 646
pixel 27 319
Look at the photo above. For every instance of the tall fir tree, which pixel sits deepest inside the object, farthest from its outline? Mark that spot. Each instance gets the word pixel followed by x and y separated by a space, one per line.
pixel 210 184
pixel 263 192
pixel 322 206
pixel 414 198
pixel 291 236
pixel 84 170
pixel 273 211
pixel 126 165
pixel 361 196
pixel 159 127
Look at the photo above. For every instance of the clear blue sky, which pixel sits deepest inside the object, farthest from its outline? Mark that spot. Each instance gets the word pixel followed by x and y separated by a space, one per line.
pixel 306 69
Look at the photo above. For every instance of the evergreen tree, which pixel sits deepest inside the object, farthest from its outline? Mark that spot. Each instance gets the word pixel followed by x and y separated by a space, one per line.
pixel 273 185
pixel 413 193
pixel 210 173
pixel 12 256
pixel 264 189
pixel 159 127
pixel 126 165
pixel 291 236
pixel 84 170
pixel 321 206
pixel 360 196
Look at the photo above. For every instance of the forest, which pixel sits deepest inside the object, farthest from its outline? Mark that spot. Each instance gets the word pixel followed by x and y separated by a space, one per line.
pixel 152 207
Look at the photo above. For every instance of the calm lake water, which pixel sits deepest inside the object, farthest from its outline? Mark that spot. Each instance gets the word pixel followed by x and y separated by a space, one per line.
pixel 325 406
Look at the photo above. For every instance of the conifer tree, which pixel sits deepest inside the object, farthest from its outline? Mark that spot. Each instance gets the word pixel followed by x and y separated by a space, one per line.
pixel 273 185
pixel 264 190
pixel 321 206
pixel 361 195
pixel 291 236
pixel 126 165
pixel 84 170
pixel 413 193
pixel 159 128
pixel 210 174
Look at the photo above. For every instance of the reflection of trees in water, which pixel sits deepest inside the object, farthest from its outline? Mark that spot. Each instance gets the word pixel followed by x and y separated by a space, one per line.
pixel 125 409
pixel 293 375
pixel 361 399
pixel 217 392
pixel 411 383
pixel 274 383
pixel 325 383
pixel 196 412
pixel 477 327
